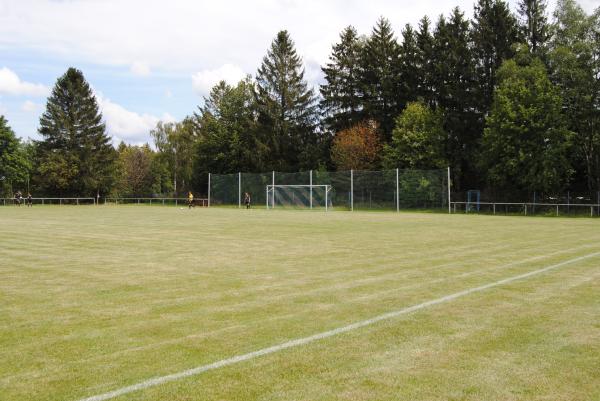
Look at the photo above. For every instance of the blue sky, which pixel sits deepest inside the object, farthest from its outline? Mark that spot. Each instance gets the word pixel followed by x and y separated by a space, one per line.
pixel 151 60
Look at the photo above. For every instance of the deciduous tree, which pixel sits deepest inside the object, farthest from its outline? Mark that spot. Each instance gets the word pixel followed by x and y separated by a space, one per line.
pixel 418 139
pixel 526 141
pixel 357 147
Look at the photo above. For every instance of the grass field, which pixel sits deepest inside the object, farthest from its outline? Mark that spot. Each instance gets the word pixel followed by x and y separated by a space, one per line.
pixel 93 299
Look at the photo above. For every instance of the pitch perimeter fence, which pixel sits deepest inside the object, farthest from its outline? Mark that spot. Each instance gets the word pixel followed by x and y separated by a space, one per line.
pixel 48 201
pixel 395 189
pixel 528 208
pixel 202 202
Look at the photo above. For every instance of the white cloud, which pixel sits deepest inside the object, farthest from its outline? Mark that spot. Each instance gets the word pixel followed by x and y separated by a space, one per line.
pixel 126 125
pixel 182 44
pixel 168 94
pixel 11 84
pixel 29 106
pixel 140 69
pixel 203 81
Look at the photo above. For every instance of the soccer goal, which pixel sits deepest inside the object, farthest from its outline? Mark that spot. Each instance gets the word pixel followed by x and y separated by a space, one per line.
pixel 298 196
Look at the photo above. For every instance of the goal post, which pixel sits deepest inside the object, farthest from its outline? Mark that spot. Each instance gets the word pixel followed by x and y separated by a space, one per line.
pixel 298 196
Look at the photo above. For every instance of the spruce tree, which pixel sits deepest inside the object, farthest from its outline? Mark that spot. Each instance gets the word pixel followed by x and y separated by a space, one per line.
pixel 410 76
pixel 494 32
pixel 75 156
pixel 425 64
pixel 380 78
pixel 286 107
pixel 340 104
pixel 454 88
pixel 534 25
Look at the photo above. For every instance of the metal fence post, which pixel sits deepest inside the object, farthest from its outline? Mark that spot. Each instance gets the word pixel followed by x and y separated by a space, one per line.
pixel 397 192
pixel 239 190
pixel 449 200
pixel 273 191
pixel 311 191
pixel 208 190
pixel 352 190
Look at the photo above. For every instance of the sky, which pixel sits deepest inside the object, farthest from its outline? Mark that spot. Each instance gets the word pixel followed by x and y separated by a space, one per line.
pixel 151 60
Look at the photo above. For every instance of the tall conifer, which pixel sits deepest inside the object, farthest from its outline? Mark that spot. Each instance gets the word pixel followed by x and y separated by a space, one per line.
pixel 75 156
pixel 341 103
pixel 380 78
pixel 286 107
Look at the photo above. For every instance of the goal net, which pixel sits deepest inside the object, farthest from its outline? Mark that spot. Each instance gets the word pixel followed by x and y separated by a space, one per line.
pixel 298 196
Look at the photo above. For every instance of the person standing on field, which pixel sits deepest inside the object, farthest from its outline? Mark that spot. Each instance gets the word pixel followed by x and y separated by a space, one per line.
pixel 29 200
pixel 190 200
pixel 247 200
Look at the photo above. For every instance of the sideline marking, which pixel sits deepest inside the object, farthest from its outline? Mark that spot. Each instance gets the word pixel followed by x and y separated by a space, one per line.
pixel 326 334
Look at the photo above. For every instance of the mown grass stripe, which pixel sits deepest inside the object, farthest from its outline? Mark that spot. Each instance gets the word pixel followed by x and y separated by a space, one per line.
pixel 326 334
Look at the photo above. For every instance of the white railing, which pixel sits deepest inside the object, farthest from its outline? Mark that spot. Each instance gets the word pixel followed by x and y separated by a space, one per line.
pixel 155 201
pixel 48 201
pixel 526 208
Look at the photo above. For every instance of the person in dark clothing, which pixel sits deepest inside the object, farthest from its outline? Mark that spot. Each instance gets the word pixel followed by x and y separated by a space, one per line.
pixel 29 200
pixel 247 200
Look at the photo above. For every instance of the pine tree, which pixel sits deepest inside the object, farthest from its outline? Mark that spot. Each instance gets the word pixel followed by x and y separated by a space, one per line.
pixel 341 104
pixel 493 34
pixel 534 25
pixel 75 155
pixel 287 114
pixel 380 78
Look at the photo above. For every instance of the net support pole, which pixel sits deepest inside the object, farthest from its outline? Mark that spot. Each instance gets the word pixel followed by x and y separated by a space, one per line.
pixel 449 199
pixel 239 190
pixel 273 189
pixel 311 191
pixel 352 190
pixel 326 199
pixel 397 191
pixel 208 190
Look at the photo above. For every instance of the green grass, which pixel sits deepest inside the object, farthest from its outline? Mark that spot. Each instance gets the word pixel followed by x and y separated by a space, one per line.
pixel 96 298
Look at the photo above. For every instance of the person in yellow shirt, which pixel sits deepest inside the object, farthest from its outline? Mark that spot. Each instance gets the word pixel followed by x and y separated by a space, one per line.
pixel 190 200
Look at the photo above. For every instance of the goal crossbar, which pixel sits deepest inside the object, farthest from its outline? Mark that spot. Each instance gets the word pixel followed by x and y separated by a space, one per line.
pixel 298 186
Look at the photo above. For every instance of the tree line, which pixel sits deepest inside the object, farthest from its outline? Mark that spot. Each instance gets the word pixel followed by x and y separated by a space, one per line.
pixel 510 101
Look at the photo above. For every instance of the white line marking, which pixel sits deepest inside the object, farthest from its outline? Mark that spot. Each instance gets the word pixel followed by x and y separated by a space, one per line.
pixel 326 334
